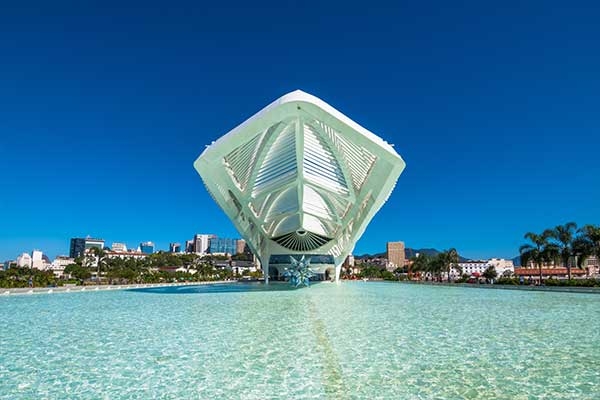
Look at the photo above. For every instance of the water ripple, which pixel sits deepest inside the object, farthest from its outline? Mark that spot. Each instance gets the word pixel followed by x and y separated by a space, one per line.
pixel 354 341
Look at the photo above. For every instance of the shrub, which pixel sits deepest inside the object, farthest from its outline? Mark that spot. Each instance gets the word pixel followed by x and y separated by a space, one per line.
pixel 507 281
pixel 572 282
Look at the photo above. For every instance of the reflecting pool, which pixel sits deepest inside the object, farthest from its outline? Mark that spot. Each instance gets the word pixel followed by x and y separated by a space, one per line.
pixel 360 340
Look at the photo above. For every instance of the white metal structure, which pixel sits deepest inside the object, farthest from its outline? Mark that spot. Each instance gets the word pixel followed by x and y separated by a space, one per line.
pixel 300 178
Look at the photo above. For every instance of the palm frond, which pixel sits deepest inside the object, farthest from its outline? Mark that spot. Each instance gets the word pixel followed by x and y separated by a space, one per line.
pixel 525 248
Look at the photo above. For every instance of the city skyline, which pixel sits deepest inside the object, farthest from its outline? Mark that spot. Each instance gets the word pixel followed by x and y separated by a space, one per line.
pixel 105 110
pixel 117 246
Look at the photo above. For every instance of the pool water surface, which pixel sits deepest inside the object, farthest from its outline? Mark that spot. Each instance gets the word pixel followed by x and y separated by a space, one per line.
pixel 355 340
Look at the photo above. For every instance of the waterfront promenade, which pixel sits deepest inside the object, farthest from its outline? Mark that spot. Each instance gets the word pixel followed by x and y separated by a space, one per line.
pixel 96 288
pixel 567 289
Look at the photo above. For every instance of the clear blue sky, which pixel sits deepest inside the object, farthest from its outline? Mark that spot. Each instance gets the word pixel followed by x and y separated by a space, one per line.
pixel 103 109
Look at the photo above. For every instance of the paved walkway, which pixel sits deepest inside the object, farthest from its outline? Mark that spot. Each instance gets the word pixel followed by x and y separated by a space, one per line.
pixel 569 289
pixel 95 288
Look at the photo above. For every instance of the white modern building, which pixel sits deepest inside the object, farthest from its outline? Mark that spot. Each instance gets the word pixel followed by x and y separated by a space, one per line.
pixel 37 260
pixel 120 247
pixel 59 264
pixel 24 261
pixel 299 178
pixel 80 246
pixel 202 243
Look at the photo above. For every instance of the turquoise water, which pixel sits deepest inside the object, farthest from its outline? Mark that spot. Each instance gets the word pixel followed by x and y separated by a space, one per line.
pixel 354 340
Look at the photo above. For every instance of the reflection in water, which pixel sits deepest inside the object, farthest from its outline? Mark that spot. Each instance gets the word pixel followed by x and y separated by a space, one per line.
pixel 218 288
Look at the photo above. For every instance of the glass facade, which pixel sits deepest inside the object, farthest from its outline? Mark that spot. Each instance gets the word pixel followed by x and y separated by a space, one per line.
pixel 80 245
pixel 222 245
pixel 147 247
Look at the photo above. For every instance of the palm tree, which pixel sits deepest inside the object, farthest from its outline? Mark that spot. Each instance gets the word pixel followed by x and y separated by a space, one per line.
pixel 449 259
pixel 564 235
pixel 582 249
pixel 419 263
pixel 101 258
pixel 587 244
pixel 437 265
pixel 539 251
pixel 592 233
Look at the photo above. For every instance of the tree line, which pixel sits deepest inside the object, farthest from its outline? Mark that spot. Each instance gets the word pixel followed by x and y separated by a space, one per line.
pixel 422 265
pixel 565 245
pixel 434 265
pixel 124 270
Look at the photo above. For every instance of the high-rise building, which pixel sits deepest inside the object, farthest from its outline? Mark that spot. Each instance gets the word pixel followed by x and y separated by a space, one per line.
pixel 189 246
pixel 120 247
pixel 147 247
pixel 395 255
pixel 202 243
pixel 240 246
pixel 37 261
pixel 222 245
pixel 80 245
pixel 300 179
pixel 174 247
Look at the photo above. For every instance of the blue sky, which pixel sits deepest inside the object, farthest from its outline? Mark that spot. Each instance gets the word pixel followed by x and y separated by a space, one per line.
pixel 104 107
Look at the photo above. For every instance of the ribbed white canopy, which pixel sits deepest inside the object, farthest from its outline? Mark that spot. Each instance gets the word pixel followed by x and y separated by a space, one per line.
pixel 300 177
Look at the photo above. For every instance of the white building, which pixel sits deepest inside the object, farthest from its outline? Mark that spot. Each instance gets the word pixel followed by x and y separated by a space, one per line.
pixel 350 265
pixel 593 266
pixel 502 266
pixel 119 247
pixel 37 261
pixel 125 254
pixel 478 267
pixel 59 264
pixel 470 268
pixel 301 179
pixel 239 267
pixel 24 261
pixel 80 246
pixel 202 243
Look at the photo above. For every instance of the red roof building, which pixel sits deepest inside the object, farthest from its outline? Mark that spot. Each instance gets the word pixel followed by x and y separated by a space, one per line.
pixel 549 272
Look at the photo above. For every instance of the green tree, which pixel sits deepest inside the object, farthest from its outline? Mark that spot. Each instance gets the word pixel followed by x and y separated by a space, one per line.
pixel 540 251
pixel 436 266
pixel 449 260
pixel 419 263
pixel 564 236
pixel 388 276
pixel 592 233
pixel 78 272
pixel 490 273
pixel 586 244
pixel 98 256
pixel 370 271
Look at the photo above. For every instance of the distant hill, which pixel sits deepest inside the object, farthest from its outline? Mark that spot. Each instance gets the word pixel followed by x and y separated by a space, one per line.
pixel 408 253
